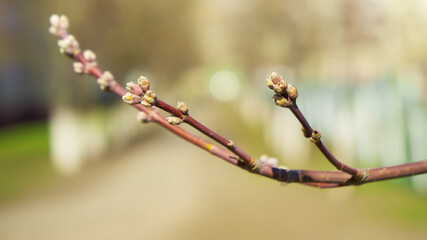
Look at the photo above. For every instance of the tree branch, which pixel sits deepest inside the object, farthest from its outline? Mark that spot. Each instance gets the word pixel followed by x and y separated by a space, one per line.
pixel 145 101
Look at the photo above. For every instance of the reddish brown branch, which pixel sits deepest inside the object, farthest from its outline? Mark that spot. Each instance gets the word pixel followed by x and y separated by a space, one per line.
pixel 203 129
pixel 322 179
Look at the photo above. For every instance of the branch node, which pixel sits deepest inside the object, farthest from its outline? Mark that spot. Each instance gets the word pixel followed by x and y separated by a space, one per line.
pixel 182 107
pixel 253 166
pixel 106 81
pixel 305 132
pixel 230 144
pixel 69 45
pixel 172 120
pixel 149 98
pixel 270 161
pixel 315 136
pixel 89 55
pixel 362 175
pixel 281 101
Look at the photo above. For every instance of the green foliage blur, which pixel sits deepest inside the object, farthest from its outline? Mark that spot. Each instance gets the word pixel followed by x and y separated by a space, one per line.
pixel 24 159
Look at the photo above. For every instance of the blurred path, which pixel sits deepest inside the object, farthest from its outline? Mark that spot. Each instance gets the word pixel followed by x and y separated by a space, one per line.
pixel 180 192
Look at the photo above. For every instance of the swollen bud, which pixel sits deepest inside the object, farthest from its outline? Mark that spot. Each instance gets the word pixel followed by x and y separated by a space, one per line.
pixel 182 107
pixel 292 92
pixel 149 98
pixel 89 55
pixel 174 120
pixel 134 88
pixel 78 67
pixel 58 24
pixel 315 136
pixel 69 45
pixel 144 83
pixel 106 81
pixel 276 83
pixel 281 101
pixel 131 98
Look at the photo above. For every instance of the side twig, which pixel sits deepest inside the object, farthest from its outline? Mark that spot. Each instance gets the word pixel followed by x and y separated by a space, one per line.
pixel 286 96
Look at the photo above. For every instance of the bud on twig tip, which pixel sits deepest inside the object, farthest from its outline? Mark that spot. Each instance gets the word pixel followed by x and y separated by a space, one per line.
pixel 292 92
pixel 276 83
pixel 144 83
pixel 58 24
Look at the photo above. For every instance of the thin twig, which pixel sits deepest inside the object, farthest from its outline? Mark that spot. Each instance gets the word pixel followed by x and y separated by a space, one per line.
pixel 308 131
pixel 203 129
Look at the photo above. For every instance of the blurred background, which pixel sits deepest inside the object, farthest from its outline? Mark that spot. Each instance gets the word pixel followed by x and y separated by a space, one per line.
pixel 74 163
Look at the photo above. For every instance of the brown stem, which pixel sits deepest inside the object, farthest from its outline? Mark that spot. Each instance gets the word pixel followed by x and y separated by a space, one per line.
pixel 157 118
pixel 325 151
pixel 345 179
pixel 203 129
pixel 154 116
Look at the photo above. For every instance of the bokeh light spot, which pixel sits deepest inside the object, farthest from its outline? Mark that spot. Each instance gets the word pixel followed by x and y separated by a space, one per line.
pixel 224 85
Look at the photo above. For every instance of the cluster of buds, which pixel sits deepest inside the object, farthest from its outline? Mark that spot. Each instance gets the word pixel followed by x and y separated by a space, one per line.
pixel 58 25
pixel 286 93
pixel 140 93
pixel 84 68
pixel 106 81
pixel 69 45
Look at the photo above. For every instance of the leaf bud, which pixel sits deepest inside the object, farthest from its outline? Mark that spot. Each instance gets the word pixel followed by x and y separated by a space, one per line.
pixel 131 98
pixel 182 107
pixel 174 120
